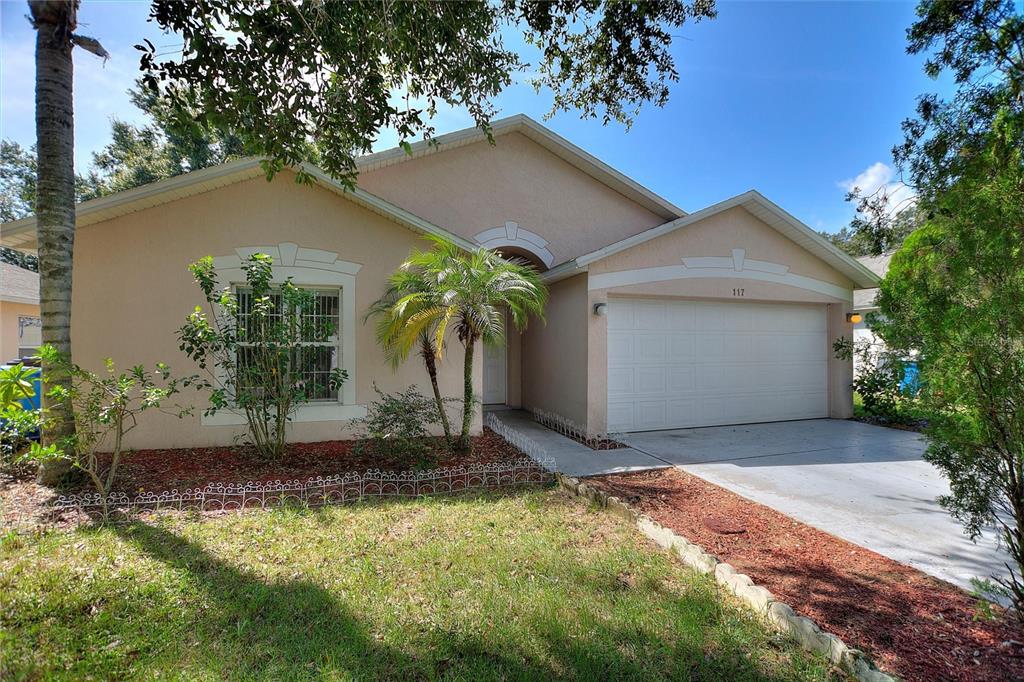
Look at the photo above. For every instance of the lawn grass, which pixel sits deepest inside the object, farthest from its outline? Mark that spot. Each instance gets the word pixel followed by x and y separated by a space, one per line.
pixel 525 585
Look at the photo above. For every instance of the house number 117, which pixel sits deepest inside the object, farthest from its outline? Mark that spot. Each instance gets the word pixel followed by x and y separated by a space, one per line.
pixel 737 292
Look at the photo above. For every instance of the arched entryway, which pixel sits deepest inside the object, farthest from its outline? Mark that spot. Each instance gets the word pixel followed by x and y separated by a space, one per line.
pixel 502 372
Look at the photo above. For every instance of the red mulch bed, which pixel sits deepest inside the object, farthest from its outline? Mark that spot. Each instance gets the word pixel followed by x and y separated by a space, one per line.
pixel 21 499
pixel 160 470
pixel 911 624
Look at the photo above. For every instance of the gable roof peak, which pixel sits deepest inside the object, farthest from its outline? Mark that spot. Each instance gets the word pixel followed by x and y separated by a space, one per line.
pixel 546 138
pixel 761 208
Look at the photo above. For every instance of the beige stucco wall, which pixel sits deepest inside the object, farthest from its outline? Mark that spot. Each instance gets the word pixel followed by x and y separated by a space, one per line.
pixel 473 188
pixel 555 354
pixel 717 236
pixel 132 289
pixel 9 314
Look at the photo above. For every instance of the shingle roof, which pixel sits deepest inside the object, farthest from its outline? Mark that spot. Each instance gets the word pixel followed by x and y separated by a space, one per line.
pixel 864 299
pixel 18 285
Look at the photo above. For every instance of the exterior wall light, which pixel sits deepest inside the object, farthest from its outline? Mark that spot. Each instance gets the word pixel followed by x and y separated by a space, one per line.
pixel 600 309
pixel 854 318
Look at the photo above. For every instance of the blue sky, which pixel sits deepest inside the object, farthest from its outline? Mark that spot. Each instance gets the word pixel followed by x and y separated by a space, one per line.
pixel 793 99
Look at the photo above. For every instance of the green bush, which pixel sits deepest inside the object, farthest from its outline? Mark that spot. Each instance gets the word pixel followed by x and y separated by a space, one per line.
pixel 397 425
pixel 879 379
pixel 17 425
pixel 107 407
pixel 257 348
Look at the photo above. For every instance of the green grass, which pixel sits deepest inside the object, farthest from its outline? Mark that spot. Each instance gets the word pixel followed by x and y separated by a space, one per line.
pixel 529 585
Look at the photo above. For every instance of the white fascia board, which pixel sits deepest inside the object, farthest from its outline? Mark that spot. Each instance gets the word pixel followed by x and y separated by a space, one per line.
pixel 125 199
pixel 13 298
pixel 563 271
pixel 859 268
pixel 129 201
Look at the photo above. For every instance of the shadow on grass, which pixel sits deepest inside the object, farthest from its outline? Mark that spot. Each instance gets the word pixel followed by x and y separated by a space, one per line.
pixel 294 628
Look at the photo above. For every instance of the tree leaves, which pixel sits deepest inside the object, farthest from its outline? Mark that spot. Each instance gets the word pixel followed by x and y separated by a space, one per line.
pixel 313 79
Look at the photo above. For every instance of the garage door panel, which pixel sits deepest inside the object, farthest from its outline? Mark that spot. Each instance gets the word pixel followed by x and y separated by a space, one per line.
pixel 681 380
pixel 621 317
pixel 680 316
pixel 649 414
pixel 681 348
pixel 651 348
pixel 680 411
pixel 621 414
pixel 620 348
pixel 651 315
pixel 650 381
pixel 696 363
pixel 620 381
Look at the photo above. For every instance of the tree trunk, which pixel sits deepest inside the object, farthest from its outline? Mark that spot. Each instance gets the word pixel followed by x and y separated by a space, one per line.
pixel 429 354
pixel 468 402
pixel 55 203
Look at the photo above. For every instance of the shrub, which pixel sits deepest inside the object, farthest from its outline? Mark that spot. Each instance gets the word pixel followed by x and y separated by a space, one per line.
pixel 397 425
pixel 106 408
pixel 256 349
pixel 880 378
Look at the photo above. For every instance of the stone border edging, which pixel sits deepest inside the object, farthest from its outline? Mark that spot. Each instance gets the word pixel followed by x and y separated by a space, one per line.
pixel 779 615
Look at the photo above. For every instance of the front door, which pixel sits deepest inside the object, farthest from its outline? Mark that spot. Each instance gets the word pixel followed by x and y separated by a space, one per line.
pixel 494 374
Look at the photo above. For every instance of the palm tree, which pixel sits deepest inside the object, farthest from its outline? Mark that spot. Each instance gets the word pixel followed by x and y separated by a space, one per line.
pixel 55 22
pixel 470 292
pixel 397 344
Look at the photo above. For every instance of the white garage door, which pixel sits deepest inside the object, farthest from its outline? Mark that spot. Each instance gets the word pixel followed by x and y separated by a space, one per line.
pixel 674 363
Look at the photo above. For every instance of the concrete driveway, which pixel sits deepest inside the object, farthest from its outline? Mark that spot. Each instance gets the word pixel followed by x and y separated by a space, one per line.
pixel 866 484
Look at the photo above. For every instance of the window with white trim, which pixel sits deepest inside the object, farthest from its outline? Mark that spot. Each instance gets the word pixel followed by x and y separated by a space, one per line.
pixel 320 348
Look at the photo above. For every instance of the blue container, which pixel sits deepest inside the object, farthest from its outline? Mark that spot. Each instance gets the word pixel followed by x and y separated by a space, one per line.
pixel 911 383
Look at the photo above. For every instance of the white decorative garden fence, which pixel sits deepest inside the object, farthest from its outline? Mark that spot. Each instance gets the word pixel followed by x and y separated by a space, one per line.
pixel 571 429
pixel 521 441
pixel 313 492
pixel 536 468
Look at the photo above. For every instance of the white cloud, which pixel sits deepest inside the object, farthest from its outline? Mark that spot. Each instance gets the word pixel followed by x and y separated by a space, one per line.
pixel 881 178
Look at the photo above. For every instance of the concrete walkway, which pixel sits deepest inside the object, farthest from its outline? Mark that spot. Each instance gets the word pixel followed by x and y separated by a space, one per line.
pixel 573 458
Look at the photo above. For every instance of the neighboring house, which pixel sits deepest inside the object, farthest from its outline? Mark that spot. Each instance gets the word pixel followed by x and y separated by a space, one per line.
pixel 20 327
pixel 864 303
pixel 657 318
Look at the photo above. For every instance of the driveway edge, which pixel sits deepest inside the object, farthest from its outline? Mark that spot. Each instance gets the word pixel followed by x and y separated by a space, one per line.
pixel 779 615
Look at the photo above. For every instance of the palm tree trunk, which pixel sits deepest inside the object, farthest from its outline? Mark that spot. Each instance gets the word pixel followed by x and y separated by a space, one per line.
pixel 54 21
pixel 429 353
pixel 468 401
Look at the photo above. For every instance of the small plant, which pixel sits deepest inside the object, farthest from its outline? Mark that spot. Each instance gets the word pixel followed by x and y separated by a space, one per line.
pixel 880 380
pixel 988 594
pixel 264 349
pixel 17 383
pixel 18 426
pixel 106 407
pixel 397 425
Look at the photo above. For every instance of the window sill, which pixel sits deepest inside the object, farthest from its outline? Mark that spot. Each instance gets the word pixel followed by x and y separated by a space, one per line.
pixel 310 412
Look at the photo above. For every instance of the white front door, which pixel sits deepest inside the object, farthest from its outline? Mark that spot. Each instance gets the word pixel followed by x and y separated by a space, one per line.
pixel 677 363
pixel 494 374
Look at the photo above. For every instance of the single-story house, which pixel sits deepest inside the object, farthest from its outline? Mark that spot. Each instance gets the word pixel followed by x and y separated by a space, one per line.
pixel 20 326
pixel 658 318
